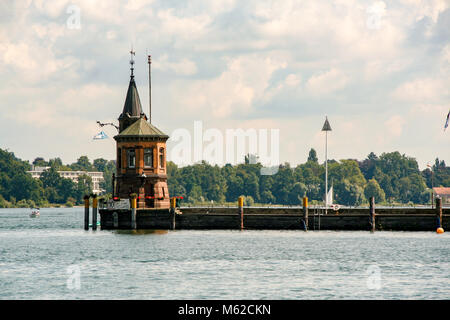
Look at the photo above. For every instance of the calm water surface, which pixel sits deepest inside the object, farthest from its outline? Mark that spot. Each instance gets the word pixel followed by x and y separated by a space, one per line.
pixel 52 257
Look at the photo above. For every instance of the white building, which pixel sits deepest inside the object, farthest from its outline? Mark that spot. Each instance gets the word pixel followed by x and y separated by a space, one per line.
pixel 443 193
pixel 96 177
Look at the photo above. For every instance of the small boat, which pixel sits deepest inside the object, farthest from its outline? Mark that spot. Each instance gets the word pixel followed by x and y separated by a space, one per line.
pixel 35 213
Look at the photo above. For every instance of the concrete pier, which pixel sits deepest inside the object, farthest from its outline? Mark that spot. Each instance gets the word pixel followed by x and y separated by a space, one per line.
pixel 395 219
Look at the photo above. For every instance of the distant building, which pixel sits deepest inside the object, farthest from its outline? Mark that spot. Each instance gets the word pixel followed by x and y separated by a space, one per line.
pixel 443 193
pixel 96 177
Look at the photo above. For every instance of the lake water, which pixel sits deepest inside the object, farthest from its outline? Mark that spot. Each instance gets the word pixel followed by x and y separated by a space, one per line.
pixel 53 257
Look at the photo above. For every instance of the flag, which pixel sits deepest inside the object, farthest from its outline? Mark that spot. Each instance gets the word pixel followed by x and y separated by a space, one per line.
pixel 446 122
pixel 100 136
pixel 330 196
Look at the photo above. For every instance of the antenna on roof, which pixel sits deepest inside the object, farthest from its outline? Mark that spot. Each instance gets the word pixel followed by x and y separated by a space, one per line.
pixel 149 88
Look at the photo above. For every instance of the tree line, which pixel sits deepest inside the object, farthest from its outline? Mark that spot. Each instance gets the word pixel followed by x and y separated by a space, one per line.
pixel 19 189
pixel 392 178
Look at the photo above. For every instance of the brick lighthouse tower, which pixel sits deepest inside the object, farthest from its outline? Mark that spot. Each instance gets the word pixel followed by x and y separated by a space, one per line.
pixel 141 154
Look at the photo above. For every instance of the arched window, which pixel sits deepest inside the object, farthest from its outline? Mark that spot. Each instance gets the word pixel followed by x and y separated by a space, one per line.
pixel 161 158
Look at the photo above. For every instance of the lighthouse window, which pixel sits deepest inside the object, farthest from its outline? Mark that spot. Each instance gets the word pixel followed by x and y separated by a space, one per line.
pixel 131 158
pixel 148 157
pixel 161 157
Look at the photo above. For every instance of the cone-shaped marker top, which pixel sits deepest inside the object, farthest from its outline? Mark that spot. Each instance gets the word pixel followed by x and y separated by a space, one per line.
pixel 326 125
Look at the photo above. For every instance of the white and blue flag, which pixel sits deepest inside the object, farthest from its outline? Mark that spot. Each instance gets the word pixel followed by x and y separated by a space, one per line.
pixel 446 121
pixel 102 135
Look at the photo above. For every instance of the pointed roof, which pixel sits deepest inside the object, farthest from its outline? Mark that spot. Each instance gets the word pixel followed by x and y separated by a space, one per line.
pixel 141 128
pixel 132 104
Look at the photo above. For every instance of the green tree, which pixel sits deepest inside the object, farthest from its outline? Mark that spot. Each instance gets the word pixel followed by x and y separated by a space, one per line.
pixel 297 193
pixel 100 164
pixel 348 182
pixel 15 182
pixel 50 178
pixel 248 201
pixel 108 170
pixel 196 195
pixel 57 164
pixel 40 162
pixel 57 188
pixel 82 164
pixel 373 189
pixel 283 182
pixel 312 156
pixel 311 174
pixel 84 186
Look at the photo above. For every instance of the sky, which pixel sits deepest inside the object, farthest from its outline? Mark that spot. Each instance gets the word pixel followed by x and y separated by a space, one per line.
pixel 380 72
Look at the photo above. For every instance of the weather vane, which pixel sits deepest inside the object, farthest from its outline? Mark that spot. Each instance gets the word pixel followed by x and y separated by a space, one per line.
pixel 132 53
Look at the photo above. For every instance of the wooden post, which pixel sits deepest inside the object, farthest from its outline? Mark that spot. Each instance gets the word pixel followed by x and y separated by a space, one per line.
pixel 372 214
pixel 86 212
pixel 116 219
pixel 113 185
pixel 173 203
pixel 94 211
pixel 241 211
pixel 133 212
pixel 305 213
pixel 439 212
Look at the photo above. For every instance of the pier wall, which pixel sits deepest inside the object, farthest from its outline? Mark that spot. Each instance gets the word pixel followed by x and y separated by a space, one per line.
pixel 407 219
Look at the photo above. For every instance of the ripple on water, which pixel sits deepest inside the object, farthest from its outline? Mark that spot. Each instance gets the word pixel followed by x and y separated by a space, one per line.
pixel 39 257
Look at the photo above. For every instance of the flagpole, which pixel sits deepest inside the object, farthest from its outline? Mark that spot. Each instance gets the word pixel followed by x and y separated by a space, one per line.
pixel 149 89
pixel 326 127
pixel 326 171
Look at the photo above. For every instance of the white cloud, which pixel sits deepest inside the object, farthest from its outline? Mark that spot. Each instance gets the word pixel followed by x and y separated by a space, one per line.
pixel 51 8
pixel 233 91
pixel 327 82
pixel 422 90
pixel 234 64
pixel 292 80
pixel 426 8
pixel 394 125
pixel 185 28
pixel 183 67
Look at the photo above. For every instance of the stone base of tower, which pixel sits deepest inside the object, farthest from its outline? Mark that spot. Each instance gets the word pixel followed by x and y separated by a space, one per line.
pixel 152 193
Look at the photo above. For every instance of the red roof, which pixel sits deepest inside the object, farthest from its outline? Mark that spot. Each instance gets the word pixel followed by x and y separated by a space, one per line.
pixel 442 191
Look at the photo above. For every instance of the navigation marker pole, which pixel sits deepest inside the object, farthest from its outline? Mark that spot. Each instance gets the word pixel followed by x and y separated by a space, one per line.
pixel 326 127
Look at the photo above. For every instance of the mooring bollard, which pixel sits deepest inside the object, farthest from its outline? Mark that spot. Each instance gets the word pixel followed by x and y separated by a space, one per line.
pixel 173 203
pixel 94 211
pixel 372 214
pixel 115 219
pixel 86 212
pixel 133 213
pixel 305 213
pixel 438 212
pixel 241 211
